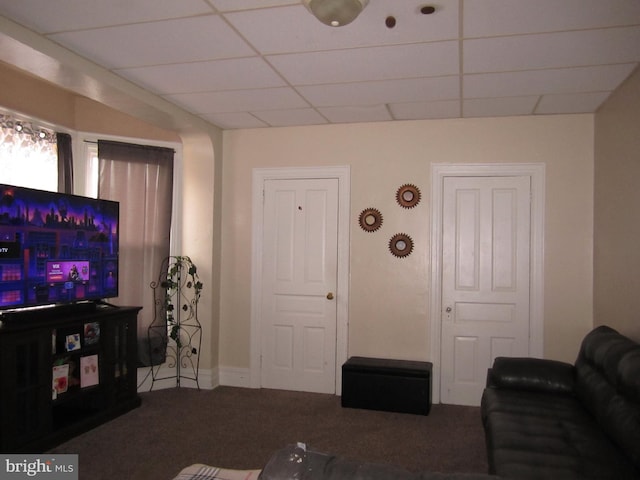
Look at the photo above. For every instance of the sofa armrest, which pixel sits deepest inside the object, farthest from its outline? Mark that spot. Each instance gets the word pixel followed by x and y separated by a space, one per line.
pixel 296 462
pixel 533 374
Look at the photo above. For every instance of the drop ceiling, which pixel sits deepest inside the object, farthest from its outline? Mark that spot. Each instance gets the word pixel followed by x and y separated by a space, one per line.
pixel 262 63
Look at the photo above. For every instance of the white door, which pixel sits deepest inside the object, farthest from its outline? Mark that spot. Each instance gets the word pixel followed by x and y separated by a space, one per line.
pixel 485 280
pixel 299 284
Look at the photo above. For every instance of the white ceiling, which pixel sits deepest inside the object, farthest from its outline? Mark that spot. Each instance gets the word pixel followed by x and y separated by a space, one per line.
pixel 260 63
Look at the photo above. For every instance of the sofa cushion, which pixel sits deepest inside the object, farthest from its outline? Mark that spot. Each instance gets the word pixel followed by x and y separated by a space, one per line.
pixel 608 385
pixel 526 403
pixel 540 435
pixel 604 348
pixel 629 376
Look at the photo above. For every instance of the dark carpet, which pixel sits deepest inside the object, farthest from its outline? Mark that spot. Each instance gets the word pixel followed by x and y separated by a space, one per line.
pixel 240 428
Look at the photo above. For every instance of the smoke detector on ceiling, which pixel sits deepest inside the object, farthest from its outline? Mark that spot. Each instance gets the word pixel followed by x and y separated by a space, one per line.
pixel 336 13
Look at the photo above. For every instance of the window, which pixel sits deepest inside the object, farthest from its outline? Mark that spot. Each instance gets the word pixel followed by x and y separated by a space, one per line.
pixel 28 155
pixel 91 169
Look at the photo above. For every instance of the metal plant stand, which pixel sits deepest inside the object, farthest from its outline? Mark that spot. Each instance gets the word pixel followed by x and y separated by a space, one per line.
pixel 175 335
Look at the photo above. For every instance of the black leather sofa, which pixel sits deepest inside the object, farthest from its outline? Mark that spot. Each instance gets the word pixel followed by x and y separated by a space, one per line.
pixel 545 419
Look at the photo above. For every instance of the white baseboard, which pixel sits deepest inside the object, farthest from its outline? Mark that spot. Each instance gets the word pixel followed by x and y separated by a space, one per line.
pixel 234 377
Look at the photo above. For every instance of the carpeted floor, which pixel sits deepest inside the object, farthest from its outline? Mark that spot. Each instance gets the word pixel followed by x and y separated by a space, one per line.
pixel 240 428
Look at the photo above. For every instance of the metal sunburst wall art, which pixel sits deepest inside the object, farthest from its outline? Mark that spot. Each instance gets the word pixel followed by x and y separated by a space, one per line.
pixel 401 245
pixel 408 196
pixel 370 219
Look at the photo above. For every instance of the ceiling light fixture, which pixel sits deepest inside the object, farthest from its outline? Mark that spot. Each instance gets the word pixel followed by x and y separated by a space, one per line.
pixel 336 13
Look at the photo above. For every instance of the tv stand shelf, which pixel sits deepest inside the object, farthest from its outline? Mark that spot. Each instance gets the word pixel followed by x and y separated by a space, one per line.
pixel 63 372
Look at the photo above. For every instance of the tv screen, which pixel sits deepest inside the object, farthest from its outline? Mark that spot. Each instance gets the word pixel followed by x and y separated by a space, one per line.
pixel 56 248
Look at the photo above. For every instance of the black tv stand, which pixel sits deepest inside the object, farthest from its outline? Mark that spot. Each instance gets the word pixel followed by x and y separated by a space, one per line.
pixel 105 304
pixel 64 371
pixel 75 308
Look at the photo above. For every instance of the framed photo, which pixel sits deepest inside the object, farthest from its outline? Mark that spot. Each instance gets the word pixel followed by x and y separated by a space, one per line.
pixel 73 342
pixel 89 372
pixel 91 333
pixel 60 379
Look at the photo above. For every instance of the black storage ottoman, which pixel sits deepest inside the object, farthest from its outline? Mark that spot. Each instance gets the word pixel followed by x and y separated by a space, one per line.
pixel 402 386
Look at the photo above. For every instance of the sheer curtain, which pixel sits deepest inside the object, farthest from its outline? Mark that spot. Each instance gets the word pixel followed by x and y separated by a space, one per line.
pixel 141 179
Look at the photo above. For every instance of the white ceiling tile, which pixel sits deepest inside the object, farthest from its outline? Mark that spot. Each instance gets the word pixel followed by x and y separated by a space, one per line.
pixel 233 5
pixel 552 50
pixel 240 100
pixel 425 110
pixel 499 107
pixel 374 63
pixel 231 60
pixel 537 82
pixel 571 103
pixel 351 114
pixel 389 91
pixel 157 43
pixel 287 118
pixel 230 74
pixel 305 33
pixel 66 15
pixel 234 120
pixel 508 17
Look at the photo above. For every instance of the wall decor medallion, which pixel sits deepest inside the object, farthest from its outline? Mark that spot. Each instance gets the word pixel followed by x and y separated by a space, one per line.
pixel 408 196
pixel 370 219
pixel 401 245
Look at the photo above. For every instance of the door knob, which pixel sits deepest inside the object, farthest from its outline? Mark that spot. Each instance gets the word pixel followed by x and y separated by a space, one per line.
pixel 448 310
pixel 330 296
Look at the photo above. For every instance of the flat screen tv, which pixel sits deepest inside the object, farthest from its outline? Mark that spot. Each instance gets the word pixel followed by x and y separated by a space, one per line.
pixel 56 248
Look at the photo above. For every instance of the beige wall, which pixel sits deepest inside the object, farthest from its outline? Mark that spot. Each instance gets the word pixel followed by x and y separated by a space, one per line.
pixel 617 201
pixel 31 96
pixel 389 296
